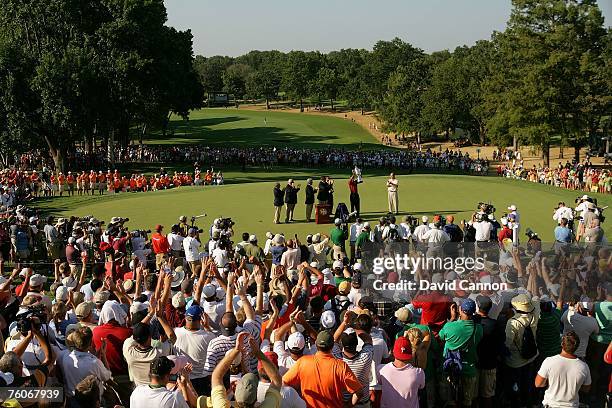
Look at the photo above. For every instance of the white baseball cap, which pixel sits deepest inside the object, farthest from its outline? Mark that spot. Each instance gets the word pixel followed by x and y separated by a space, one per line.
pixel 357 267
pixel 296 341
pixel 425 218
pixel 337 264
pixel 178 300
pixel 209 290
pixel 512 207
pixel 37 279
pixel 328 319
pixel 138 307
pixel 337 221
pixel 61 293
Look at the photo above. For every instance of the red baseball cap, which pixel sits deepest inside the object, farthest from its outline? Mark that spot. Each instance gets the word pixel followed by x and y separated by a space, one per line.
pixel 273 357
pixel 402 350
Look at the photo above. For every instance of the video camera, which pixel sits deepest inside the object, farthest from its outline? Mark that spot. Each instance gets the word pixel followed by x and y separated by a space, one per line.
pixel 193 220
pixel 35 316
pixel 486 208
pixel 412 221
pixel 226 223
pixel 532 235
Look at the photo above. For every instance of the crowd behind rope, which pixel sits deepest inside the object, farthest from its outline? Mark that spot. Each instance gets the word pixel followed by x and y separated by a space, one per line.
pixel 196 317
pixel 572 176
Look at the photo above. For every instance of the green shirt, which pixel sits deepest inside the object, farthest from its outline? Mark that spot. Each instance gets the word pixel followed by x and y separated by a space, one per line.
pixel 362 238
pixel 460 334
pixel 603 314
pixel 338 236
pixel 548 334
pixel 255 251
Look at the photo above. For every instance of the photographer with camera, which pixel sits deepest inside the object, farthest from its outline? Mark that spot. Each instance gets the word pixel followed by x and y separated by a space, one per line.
pixel 483 229
pixel 224 226
pixel 191 245
pixel 28 346
pixel 161 247
pixel 175 239
pixel 585 211
pixel 30 341
pixel 562 211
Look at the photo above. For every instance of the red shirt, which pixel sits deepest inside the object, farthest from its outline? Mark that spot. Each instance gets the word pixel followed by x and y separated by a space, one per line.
pixel 160 243
pixel 353 185
pixel 176 317
pixel 504 233
pixel 435 309
pixel 119 244
pixel 281 319
pixel 115 335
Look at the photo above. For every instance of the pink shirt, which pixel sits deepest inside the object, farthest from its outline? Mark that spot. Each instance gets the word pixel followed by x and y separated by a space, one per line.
pixel 400 386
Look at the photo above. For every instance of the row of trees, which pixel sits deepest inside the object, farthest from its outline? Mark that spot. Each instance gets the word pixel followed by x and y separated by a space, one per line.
pixel 545 80
pixel 89 71
pixel 94 71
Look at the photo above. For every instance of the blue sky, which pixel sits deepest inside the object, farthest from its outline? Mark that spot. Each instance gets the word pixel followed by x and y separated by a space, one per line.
pixel 234 27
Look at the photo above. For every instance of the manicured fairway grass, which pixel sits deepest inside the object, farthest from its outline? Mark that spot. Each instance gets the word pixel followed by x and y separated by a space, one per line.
pixel 250 203
pixel 221 126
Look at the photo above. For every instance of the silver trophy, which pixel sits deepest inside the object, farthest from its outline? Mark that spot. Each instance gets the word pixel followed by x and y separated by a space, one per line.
pixel 357 172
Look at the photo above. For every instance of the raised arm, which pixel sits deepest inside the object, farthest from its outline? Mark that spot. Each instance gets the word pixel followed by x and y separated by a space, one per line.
pixel 249 312
pixel 259 280
pixel 343 325
pixel 275 379
pixel 226 362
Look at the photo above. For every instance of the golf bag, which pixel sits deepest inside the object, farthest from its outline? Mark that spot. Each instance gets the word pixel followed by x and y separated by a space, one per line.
pixel 342 212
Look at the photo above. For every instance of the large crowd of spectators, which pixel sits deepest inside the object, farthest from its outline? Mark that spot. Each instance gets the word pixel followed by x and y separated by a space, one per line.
pixel 580 176
pixel 196 317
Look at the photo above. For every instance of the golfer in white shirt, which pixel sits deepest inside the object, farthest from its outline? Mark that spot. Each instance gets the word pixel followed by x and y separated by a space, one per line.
pixel 392 186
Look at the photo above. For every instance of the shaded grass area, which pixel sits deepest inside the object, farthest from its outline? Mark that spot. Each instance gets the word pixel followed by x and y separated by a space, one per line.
pixel 220 126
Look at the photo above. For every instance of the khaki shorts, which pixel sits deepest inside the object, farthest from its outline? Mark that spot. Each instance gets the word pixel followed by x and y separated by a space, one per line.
pixel 486 383
pixel 470 389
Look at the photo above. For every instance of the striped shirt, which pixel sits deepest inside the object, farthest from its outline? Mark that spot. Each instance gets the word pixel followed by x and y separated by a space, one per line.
pixel 361 366
pixel 221 344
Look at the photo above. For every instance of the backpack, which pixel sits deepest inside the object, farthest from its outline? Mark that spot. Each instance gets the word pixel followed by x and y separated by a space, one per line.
pixel 452 365
pixel 342 212
pixel 394 235
pixel 529 348
pixel 338 306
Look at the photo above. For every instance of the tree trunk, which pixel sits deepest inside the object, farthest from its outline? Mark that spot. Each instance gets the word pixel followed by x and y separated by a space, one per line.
pixel 446 135
pixel 515 143
pixel 482 131
pixel 546 154
pixel 110 150
pixel 561 151
pixel 362 111
pixel 301 105
pixel 144 131
pixel 267 103
pixel 332 104
pixel 577 153
pixel 57 154
pixel 124 134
